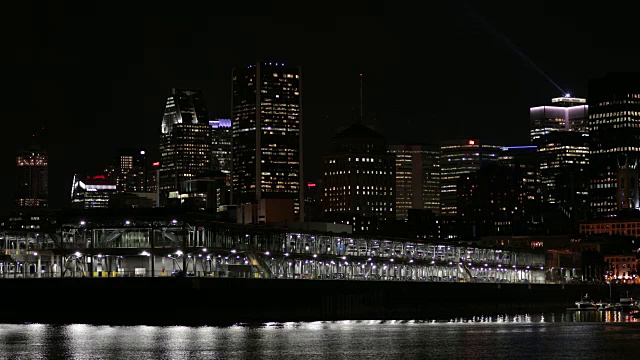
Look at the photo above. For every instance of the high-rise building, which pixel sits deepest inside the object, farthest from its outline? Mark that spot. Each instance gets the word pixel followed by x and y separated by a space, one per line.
pixel 32 188
pixel 489 202
pixel 91 192
pixel 313 201
pixel 267 134
pixel 417 178
pixel 614 143
pixel 359 179
pixel 524 159
pixel 459 158
pixel 560 133
pixel 221 145
pixel 129 171
pixel 185 143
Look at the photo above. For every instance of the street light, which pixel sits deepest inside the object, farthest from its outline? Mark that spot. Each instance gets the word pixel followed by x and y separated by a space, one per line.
pixel 82 223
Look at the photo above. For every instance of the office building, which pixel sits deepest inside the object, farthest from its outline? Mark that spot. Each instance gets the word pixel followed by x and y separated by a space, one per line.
pixel 359 179
pixel 458 158
pixel 560 133
pixel 32 178
pixel 489 202
pixel 267 134
pixel 129 171
pixel 185 143
pixel 524 159
pixel 614 143
pixel 91 192
pixel 417 178
pixel 221 145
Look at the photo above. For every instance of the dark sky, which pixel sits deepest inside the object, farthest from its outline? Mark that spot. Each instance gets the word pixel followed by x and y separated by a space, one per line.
pixel 98 75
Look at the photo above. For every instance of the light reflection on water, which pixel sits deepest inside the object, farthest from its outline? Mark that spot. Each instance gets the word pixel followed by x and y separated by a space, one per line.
pixel 594 334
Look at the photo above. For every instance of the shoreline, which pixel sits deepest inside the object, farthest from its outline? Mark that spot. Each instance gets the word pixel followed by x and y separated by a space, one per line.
pixel 225 301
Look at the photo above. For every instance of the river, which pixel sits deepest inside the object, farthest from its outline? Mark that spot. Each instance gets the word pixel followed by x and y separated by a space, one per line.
pixel 561 336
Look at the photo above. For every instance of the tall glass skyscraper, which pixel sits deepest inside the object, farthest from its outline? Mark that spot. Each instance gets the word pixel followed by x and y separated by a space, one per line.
pixel 185 142
pixel 614 144
pixel 267 134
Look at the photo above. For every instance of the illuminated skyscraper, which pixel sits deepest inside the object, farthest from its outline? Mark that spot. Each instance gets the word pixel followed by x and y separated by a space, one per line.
pixel 185 143
pixel 614 144
pixel 129 171
pixel 267 136
pixel 560 133
pixel 221 145
pixel 359 179
pixel 417 178
pixel 460 158
pixel 32 178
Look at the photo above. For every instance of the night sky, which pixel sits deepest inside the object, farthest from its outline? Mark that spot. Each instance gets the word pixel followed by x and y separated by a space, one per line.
pixel 98 75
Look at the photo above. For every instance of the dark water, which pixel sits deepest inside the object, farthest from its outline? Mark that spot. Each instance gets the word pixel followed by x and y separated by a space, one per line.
pixel 556 336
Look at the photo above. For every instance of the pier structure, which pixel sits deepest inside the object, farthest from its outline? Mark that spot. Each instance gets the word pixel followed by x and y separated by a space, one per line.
pixel 161 243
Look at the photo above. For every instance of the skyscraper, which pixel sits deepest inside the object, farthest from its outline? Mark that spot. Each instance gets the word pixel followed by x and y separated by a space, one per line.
pixel 359 179
pixel 459 158
pixel 185 143
pixel 221 145
pixel 417 178
pixel 32 188
pixel 614 143
pixel 129 171
pixel 267 134
pixel 560 133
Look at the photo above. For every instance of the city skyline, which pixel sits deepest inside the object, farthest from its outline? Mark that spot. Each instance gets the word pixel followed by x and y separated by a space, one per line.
pixel 473 66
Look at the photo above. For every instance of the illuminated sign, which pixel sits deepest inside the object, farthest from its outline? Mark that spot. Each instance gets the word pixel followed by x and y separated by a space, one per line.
pixel 311 185
pixel 472 142
pixel 157 163
pixel 99 177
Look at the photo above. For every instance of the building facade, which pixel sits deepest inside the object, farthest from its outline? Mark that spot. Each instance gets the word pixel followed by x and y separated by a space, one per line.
pixel 458 158
pixel 92 192
pixel 221 145
pixel 614 143
pixel 489 202
pixel 417 178
pixel 267 134
pixel 185 142
pixel 130 172
pixel 359 179
pixel 32 178
pixel 560 133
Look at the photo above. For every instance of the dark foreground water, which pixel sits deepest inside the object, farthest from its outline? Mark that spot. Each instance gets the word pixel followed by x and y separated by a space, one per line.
pixel 558 336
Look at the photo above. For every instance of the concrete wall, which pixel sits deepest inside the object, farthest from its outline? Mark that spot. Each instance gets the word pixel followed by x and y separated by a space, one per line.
pixel 194 301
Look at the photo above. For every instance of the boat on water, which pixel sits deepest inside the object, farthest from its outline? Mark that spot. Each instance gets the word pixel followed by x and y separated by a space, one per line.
pixel 585 303
pixel 606 305
pixel 627 303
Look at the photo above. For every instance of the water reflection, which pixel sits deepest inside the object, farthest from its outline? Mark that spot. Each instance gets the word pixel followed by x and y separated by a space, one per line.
pixel 498 336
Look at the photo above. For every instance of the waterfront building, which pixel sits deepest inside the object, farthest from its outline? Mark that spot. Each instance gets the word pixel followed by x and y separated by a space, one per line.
pixel 185 142
pixel 622 268
pixel 267 134
pixel 614 147
pixel 417 178
pixel 460 157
